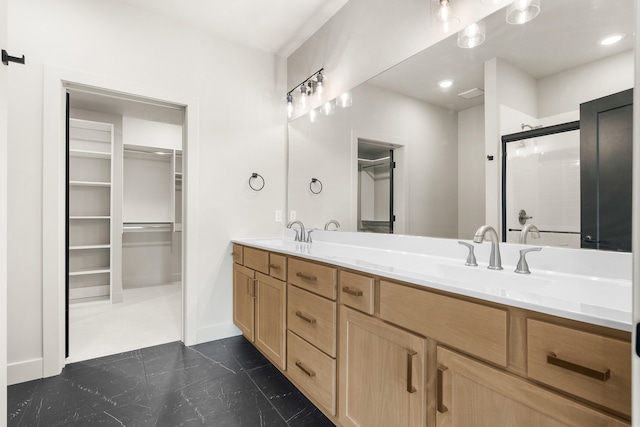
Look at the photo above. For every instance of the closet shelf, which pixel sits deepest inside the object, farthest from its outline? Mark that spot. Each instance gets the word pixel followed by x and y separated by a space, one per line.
pixel 87 247
pixel 90 271
pixel 89 153
pixel 89 184
pixel 90 217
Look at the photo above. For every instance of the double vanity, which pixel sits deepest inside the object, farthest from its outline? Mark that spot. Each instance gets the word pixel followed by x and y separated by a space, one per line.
pixel 389 330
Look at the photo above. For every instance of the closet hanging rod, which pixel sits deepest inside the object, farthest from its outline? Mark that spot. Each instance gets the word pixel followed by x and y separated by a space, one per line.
pixel 147 226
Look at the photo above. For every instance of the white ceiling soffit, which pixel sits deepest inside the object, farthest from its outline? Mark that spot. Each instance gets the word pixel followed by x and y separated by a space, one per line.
pixel 274 26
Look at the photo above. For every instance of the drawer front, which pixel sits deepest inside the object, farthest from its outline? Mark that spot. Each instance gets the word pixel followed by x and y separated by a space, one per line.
pixel 470 327
pixel 278 266
pixel 316 278
pixel 313 371
pixel 587 365
pixel 237 254
pixel 356 291
pixel 256 259
pixel 313 318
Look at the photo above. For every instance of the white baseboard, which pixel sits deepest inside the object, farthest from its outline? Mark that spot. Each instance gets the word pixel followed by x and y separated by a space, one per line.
pixel 216 332
pixel 27 370
pixel 154 280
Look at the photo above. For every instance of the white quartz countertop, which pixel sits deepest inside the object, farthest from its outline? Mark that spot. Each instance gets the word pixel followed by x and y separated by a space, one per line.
pixel 597 298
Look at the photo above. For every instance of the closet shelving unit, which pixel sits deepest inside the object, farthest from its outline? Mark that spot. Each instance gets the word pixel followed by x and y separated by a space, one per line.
pixel 90 209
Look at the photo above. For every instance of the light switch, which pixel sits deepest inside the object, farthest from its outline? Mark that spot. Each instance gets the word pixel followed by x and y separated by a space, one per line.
pixel 292 216
pixel 278 216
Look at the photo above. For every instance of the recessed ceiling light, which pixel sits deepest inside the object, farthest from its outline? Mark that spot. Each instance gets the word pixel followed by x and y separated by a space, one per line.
pixel 611 39
pixel 445 83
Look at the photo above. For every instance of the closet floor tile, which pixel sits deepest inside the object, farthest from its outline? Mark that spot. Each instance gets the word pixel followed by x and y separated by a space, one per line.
pixel 222 383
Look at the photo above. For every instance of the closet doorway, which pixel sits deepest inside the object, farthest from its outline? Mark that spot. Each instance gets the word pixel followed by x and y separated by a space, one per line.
pixel 124 240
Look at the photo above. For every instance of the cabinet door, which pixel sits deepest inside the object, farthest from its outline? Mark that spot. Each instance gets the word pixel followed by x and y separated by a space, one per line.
pixel 382 373
pixel 470 393
pixel 243 300
pixel 270 330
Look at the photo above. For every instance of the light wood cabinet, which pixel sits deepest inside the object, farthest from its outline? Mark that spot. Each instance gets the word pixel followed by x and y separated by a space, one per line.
pixel 371 352
pixel 584 364
pixel 470 393
pixel 271 314
pixel 259 311
pixel 382 373
pixel 243 300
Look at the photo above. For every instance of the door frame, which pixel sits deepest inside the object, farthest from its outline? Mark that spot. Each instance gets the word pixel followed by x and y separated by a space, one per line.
pixel 401 178
pixel 56 81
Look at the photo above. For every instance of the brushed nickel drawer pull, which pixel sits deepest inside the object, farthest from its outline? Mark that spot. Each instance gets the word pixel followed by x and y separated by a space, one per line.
pixel 307 371
pixel 306 318
pixel 274 266
pixel 553 359
pixel 307 277
pixel 357 293
pixel 440 380
pixel 410 387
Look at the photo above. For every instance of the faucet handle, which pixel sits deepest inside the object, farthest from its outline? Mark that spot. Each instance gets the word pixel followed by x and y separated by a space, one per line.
pixel 523 267
pixel 308 239
pixel 471 258
pixel 297 238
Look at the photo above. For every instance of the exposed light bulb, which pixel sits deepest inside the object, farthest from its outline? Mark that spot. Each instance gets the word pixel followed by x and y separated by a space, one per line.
pixel 329 108
pixel 303 96
pixel 319 85
pixel 522 11
pixel 313 116
pixel 444 12
pixel 345 100
pixel 472 36
pixel 289 105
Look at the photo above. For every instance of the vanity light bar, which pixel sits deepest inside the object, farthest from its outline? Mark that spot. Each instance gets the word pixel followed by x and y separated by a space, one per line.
pixel 312 84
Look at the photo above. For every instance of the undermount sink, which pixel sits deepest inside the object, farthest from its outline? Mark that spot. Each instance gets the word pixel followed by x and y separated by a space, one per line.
pixel 471 277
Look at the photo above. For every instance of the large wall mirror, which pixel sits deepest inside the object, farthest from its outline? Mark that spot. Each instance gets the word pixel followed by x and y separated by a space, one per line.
pixel 535 74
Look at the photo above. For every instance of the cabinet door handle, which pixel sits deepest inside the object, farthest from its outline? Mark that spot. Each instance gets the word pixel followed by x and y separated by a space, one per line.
pixel 307 371
pixel 410 387
pixel 305 317
pixel 440 380
pixel 553 359
pixel 357 293
pixel 306 277
pixel 274 266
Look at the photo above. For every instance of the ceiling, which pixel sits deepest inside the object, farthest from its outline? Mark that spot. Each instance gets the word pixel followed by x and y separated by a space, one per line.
pixel 563 36
pixel 274 26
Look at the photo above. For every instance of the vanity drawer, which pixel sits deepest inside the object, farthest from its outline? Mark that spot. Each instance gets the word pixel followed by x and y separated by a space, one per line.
pixel 256 259
pixel 278 266
pixel 356 291
pixel 316 278
pixel 313 318
pixel 593 367
pixel 313 371
pixel 237 253
pixel 473 328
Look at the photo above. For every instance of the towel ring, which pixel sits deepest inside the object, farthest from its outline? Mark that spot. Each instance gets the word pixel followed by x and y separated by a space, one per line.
pixel 314 181
pixel 254 176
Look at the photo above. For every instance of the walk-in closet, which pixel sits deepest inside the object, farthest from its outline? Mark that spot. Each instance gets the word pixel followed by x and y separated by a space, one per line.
pixel 124 224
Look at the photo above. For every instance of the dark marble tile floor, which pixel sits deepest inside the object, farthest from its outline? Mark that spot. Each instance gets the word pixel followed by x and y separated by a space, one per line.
pixel 220 383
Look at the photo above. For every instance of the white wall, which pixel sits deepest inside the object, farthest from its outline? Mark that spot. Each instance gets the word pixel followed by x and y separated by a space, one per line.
pixel 3 215
pixel 565 91
pixel 324 150
pixel 471 160
pixel 232 82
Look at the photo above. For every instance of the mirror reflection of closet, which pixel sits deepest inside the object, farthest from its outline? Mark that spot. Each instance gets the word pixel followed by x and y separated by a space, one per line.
pixel 125 216
pixel 375 187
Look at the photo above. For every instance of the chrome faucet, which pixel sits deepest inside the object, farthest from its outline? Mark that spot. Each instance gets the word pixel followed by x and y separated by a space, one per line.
pixel 535 233
pixel 495 263
pixel 301 236
pixel 332 221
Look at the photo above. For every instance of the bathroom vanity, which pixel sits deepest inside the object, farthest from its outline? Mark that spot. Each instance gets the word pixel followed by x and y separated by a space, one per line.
pixel 397 331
